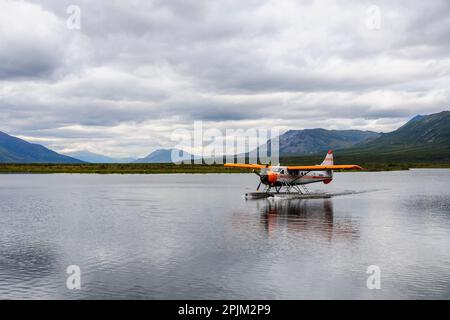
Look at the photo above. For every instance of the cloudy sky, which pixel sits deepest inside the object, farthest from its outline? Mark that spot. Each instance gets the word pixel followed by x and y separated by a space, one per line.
pixel 135 71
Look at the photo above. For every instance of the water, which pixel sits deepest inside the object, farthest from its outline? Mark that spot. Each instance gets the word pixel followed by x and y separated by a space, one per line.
pixel 196 237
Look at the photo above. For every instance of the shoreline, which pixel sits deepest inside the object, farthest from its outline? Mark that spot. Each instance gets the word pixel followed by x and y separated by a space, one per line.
pixel 165 168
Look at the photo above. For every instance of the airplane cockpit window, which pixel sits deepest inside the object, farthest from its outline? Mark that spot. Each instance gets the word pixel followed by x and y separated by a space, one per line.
pixel 278 170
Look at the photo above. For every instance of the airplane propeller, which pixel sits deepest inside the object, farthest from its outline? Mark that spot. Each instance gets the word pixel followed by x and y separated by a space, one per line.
pixel 263 177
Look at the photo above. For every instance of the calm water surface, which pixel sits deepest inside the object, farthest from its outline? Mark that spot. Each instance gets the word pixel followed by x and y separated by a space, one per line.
pixel 195 236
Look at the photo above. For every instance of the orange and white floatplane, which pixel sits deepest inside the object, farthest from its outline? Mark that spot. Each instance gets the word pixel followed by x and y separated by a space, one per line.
pixel 293 179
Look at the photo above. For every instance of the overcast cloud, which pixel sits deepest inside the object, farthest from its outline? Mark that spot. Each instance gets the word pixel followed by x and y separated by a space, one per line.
pixel 137 70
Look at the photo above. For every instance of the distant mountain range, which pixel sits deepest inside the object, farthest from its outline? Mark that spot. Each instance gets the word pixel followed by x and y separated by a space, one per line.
pixel 92 157
pixel 421 138
pixel 311 141
pixel 165 156
pixel 15 150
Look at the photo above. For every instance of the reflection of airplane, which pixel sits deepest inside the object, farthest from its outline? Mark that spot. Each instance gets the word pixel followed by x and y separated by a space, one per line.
pixel 299 215
pixel 294 177
pixel 308 217
pixel 312 219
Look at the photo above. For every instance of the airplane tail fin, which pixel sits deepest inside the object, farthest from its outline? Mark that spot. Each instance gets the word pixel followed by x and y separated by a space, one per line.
pixel 328 161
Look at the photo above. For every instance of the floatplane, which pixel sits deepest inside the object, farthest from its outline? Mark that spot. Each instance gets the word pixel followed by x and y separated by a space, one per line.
pixel 293 179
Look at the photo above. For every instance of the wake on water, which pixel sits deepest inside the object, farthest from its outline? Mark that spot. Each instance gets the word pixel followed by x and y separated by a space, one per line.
pixel 323 195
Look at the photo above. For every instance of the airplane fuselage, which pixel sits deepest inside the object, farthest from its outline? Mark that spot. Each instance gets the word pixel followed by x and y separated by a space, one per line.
pixel 281 175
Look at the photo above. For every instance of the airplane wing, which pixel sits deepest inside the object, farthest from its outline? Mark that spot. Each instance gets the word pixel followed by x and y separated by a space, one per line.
pixel 318 167
pixel 246 166
pixel 329 167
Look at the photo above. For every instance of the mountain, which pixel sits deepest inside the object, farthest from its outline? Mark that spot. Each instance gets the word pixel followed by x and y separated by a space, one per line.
pixel 15 150
pixel 421 138
pixel 165 156
pixel 91 157
pixel 311 141
pixel 416 118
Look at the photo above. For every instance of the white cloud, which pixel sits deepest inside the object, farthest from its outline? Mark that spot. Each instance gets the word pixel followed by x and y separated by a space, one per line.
pixel 35 43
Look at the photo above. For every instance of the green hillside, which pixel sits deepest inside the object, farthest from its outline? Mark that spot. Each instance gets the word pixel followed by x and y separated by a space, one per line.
pixel 424 138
